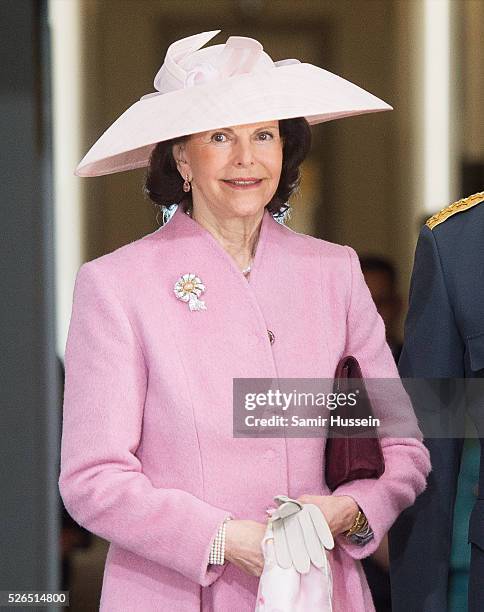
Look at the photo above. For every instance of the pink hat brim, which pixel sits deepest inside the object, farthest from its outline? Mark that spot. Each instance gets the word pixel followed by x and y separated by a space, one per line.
pixel 296 90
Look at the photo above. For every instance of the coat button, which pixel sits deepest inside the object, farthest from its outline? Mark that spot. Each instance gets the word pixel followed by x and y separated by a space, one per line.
pixel 271 336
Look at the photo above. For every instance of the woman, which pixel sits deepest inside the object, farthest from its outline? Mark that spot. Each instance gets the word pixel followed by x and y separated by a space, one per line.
pixel 162 326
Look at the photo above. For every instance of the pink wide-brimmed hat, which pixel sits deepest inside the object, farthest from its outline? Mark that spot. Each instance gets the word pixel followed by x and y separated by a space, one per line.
pixel 236 83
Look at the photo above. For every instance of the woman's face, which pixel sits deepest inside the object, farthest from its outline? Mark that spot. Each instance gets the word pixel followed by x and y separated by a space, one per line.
pixel 216 161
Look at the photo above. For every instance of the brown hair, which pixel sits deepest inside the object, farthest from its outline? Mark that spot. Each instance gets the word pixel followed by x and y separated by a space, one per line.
pixel 164 185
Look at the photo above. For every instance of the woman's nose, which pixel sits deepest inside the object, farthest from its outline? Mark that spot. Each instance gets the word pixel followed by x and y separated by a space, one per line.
pixel 243 154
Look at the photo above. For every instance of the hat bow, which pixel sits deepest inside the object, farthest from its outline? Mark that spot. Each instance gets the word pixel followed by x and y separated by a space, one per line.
pixel 239 55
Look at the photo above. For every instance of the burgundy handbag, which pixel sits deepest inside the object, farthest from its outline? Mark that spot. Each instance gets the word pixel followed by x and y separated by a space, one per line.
pixel 349 456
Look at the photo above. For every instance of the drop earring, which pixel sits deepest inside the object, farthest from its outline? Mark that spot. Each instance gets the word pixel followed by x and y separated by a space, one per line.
pixel 186 185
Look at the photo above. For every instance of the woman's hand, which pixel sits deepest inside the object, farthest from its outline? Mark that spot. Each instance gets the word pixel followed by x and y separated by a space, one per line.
pixel 243 539
pixel 340 511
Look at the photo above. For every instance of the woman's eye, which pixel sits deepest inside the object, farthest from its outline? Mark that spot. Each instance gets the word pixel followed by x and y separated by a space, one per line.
pixel 266 136
pixel 219 137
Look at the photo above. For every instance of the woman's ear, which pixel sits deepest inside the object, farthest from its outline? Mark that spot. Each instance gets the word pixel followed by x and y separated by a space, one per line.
pixel 178 152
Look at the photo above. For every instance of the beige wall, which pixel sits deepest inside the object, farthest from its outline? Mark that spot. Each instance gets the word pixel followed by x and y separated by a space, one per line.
pixel 473 77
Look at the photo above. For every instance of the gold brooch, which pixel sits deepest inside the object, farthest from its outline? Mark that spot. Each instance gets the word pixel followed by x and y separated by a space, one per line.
pixel 188 288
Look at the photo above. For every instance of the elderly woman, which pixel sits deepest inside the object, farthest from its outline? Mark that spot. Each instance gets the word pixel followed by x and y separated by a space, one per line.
pixel 223 290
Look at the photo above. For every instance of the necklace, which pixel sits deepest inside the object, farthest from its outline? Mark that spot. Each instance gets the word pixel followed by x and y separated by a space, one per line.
pixel 188 211
pixel 245 271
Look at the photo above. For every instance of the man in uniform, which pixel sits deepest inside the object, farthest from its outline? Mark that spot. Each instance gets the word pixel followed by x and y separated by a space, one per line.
pixel 444 338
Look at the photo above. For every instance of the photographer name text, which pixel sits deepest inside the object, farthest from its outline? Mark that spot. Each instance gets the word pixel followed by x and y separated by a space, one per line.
pixel 296 421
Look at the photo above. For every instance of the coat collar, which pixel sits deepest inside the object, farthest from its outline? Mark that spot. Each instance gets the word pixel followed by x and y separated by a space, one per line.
pixel 283 293
pixel 181 226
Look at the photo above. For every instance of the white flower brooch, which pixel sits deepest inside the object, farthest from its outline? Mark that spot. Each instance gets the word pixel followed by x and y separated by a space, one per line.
pixel 188 288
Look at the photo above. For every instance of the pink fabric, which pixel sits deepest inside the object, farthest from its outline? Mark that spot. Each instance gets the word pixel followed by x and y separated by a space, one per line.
pixel 148 459
pixel 285 590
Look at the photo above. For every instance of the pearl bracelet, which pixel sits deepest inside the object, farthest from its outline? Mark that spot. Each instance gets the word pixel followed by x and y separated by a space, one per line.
pixel 217 551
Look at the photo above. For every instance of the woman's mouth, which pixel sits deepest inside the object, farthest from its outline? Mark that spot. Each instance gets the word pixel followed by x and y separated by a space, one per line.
pixel 249 183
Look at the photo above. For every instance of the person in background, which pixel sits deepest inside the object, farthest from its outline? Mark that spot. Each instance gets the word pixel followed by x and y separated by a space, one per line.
pixel 381 277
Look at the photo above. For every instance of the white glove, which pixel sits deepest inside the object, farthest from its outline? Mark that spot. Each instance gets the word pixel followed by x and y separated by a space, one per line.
pixel 300 534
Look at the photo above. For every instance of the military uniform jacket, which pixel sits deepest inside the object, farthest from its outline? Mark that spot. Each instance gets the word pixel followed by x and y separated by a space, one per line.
pixel 444 338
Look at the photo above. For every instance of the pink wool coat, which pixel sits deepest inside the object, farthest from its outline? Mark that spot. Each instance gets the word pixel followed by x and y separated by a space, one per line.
pixel 148 458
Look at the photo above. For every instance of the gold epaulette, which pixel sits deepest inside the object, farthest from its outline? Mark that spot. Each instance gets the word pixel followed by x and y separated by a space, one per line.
pixel 456 207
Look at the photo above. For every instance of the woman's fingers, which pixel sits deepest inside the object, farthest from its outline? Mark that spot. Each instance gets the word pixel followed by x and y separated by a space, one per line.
pixel 253 568
pixel 243 545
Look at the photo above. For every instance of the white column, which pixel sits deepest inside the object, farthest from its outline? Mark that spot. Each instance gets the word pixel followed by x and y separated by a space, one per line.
pixel 64 21
pixel 441 151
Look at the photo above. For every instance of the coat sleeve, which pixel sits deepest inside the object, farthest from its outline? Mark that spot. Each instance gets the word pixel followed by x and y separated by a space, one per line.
pixel 101 481
pixel 420 546
pixel 406 459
